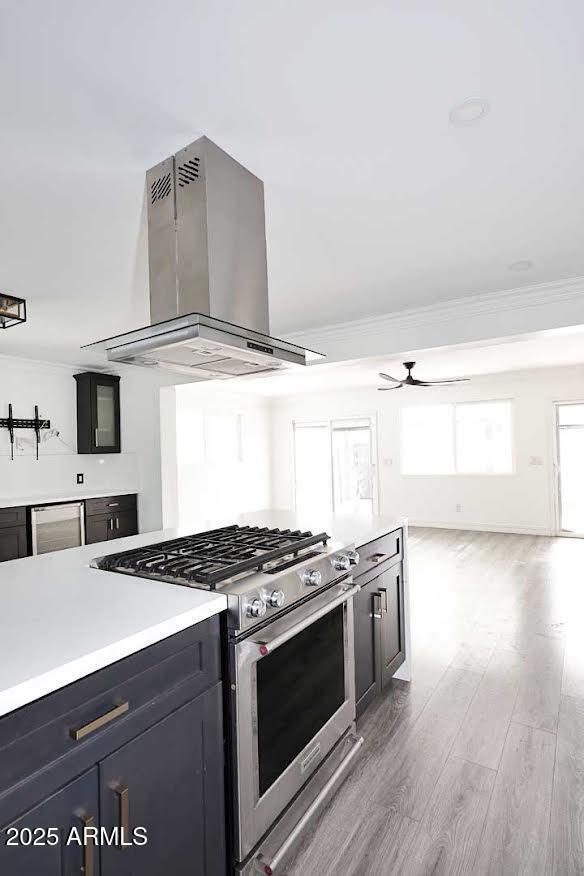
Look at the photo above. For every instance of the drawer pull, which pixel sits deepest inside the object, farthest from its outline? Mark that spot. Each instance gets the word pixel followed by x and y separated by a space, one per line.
pixel 82 732
pixel 113 504
pixel 381 558
pixel 124 800
pixel 88 847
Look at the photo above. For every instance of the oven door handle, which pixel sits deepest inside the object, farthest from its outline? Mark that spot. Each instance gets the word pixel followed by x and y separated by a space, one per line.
pixel 266 646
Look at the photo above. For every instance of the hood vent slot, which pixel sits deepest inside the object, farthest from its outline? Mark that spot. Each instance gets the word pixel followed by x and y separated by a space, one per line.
pixel 188 172
pixel 160 188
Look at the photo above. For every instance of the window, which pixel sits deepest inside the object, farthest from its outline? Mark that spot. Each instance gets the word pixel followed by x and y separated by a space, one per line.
pixel 465 438
pixel 334 467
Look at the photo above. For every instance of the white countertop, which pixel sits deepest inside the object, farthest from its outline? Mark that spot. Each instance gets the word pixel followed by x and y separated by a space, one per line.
pixel 61 620
pixel 353 530
pixel 68 496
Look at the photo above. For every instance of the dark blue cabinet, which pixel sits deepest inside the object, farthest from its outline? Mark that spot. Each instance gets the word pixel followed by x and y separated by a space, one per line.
pixel 168 781
pixel 138 744
pixel 48 840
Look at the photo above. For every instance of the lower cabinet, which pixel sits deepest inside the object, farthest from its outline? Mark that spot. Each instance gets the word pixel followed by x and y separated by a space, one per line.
pixel 13 543
pixel 110 517
pixel 379 632
pixel 46 841
pixel 169 781
pixel 149 780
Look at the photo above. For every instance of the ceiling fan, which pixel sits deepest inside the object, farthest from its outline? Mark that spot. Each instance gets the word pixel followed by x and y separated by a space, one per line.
pixel 411 381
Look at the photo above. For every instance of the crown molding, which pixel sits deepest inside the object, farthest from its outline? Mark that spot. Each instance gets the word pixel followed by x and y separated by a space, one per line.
pixel 467 308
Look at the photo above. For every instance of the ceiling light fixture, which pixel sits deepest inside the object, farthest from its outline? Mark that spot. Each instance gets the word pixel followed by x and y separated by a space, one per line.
pixel 469 111
pixel 522 265
pixel 12 310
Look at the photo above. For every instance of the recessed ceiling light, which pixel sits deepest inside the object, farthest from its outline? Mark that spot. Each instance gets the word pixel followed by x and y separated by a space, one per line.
pixel 523 265
pixel 469 111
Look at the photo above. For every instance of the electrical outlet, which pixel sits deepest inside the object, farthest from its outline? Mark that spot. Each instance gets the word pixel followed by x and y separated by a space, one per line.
pixel 459 507
pixel 80 478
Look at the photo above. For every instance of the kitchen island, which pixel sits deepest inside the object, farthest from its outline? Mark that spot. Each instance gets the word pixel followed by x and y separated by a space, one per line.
pixel 111 686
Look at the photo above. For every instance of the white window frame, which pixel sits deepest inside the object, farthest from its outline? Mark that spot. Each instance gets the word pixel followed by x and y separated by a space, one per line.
pixel 455 473
pixel 330 423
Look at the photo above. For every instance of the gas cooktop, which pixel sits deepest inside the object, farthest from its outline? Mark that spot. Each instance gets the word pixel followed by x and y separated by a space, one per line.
pixel 209 559
pixel 262 571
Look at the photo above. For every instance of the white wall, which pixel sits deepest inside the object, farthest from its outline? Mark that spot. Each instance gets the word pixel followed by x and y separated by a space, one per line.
pixel 521 502
pixel 204 484
pixel 26 383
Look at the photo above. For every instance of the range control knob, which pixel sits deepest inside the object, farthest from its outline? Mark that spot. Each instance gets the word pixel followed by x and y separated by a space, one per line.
pixel 312 578
pixel 353 557
pixel 256 608
pixel 341 563
pixel 276 599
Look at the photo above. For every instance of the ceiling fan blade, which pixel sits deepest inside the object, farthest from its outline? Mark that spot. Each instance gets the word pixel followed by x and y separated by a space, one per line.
pixel 451 380
pixel 389 377
pixel 389 388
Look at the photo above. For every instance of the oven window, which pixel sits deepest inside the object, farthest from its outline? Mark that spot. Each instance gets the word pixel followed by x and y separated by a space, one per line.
pixel 299 687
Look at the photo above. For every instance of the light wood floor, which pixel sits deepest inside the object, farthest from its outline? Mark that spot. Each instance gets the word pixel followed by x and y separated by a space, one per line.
pixel 477 766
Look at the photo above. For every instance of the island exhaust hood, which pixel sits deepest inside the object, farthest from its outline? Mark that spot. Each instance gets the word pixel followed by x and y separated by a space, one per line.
pixel 208 273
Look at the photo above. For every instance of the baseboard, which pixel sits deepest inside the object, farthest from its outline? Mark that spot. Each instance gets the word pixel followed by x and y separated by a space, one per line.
pixel 481 527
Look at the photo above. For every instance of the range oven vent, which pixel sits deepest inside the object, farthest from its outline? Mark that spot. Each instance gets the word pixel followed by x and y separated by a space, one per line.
pixel 188 172
pixel 160 188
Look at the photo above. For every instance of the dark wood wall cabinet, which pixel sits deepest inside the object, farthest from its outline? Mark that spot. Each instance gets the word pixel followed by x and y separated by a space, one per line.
pixel 138 744
pixel 110 517
pixel 379 616
pixel 98 413
pixel 13 540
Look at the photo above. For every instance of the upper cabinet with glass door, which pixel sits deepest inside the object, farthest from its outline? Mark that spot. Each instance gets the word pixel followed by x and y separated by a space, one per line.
pixel 98 413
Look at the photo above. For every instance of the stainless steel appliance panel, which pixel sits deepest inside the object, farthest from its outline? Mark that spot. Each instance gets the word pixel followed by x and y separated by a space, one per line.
pixel 56 527
pixel 306 720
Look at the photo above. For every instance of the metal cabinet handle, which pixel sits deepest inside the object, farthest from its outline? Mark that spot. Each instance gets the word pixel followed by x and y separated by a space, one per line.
pixel 97 437
pixel 383 594
pixel 124 801
pixel 82 732
pixel 113 504
pixel 111 524
pixel 377 610
pixel 380 558
pixel 88 847
pixel 117 522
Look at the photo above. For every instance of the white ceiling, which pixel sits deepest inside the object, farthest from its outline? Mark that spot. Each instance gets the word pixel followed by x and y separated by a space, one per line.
pixel 514 354
pixel 374 201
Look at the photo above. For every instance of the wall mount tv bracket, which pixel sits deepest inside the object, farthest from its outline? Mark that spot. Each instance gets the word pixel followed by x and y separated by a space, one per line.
pixel 11 423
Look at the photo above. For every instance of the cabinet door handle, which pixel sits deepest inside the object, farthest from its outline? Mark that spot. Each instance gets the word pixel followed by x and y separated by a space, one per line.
pixel 377 606
pixel 80 732
pixel 383 595
pixel 88 847
pixel 97 437
pixel 117 522
pixel 113 504
pixel 111 524
pixel 124 801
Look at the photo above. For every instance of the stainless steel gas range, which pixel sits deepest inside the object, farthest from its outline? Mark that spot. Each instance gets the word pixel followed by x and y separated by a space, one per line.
pixel 288 648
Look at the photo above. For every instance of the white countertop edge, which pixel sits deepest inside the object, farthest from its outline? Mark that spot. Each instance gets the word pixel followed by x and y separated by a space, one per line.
pixel 65 496
pixel 39 686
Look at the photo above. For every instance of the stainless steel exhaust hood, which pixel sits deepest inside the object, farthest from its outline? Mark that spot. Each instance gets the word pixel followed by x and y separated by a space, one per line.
pixel 208 274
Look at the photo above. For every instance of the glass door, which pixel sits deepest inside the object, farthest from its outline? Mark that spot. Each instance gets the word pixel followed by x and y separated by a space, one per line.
pixel 106 414
pixel 352 467
pixel 570 467
pixel 334 467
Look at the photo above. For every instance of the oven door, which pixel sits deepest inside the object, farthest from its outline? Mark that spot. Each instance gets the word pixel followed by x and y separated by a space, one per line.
pixel 294 699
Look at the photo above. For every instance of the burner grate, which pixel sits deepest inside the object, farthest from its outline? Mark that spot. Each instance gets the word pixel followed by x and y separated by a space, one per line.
pixel 209 558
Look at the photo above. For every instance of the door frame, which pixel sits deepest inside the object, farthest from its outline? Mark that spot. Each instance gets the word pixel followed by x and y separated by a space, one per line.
pixel 556 473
